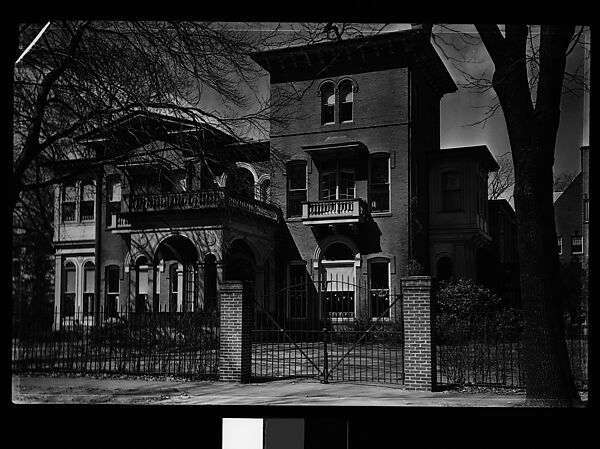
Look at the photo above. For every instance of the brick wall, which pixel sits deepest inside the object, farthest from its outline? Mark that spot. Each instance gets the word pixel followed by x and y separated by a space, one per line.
pixel 236 305
pixel 419 350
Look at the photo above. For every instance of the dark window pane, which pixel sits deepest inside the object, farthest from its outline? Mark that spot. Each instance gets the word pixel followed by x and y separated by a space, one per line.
pixel 296 176
pixel 87 210
pixel 327 104
pixel 346 112
pixel 379 170
pixel 295 200
pixel 380 198
pixel 68 211
pixel 112 280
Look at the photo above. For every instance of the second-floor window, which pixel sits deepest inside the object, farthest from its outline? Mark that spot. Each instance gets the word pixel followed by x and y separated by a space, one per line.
pixel 576 244
pixel 86 206
pixel 69 202
pixel 379 190
pixel 451 191
pixel 586 210
pixel 327 103
pixel 296 188
pixel 346 102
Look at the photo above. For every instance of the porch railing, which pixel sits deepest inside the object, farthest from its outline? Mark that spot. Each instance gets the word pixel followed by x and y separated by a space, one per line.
pixel 202 199
pixel 351 209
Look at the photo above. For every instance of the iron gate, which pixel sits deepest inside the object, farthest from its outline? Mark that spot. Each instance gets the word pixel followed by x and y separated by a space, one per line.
pixel 333 331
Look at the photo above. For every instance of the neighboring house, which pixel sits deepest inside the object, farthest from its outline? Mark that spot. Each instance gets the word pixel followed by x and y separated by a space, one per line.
pixel 498 262
pixel 365 194
pixel 572 218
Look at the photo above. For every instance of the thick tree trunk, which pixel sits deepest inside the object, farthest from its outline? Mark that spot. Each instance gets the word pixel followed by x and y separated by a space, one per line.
pixel 532 133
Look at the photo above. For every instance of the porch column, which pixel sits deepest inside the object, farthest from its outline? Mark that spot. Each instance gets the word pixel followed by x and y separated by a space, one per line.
pixel 419 347
pixel 236 306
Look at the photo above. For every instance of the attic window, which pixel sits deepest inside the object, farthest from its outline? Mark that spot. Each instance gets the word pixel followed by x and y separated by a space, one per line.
pixel 327 104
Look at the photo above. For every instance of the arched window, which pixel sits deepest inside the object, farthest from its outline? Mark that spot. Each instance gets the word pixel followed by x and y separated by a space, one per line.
pixel 69 290
pixel 265 190
pixel 346 101
pixel 69 202
pixel 327 103
pixel 89 272
pixel 444 269
pixel 379 287
pixel 296 188
pixel 451 191
pixel 173 287
pixel 86 205
pixel 112 290
pixel 338 277
pixel 141 297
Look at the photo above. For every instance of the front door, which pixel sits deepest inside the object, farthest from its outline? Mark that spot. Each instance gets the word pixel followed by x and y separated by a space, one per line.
pixel 338 289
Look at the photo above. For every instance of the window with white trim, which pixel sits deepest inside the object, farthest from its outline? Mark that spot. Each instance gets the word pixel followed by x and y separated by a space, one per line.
pixel 379 189
pixel 69 202
pixel 89 273
pixel 379 288
pixel 559 244
pixel 141 298
pixel 346 101
pixel 112 291
pixel 113 193
pixel 327 103
pixel 86 204
pixel 296 188
pixel 576 244
pixel 69 290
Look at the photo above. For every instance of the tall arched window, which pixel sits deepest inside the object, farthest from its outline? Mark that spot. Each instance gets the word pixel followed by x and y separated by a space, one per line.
pixel 338 280
pixel 89 271
pixel 173 287
pixel 69 290
pixel 141 297
pixel 327 103
pixel 379 287
pixel 112 290
pixel 346 101
pixel 86 205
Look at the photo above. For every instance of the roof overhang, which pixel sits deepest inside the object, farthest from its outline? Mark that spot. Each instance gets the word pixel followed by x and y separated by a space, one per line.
pixel 326 150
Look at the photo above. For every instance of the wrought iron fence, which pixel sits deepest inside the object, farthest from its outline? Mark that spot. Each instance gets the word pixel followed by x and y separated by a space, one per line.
pixel 161 343
pixel 337 331
pixel 486 349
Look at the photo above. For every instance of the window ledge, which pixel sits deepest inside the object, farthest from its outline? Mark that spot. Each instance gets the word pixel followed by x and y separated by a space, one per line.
pixel 293 219
pixel 381 214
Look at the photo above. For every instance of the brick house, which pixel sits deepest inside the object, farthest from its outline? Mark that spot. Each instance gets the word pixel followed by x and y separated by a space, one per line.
pixel 364 196
pixel 572 218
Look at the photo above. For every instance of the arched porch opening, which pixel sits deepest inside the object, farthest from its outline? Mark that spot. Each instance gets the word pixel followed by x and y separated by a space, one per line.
pixel 176 275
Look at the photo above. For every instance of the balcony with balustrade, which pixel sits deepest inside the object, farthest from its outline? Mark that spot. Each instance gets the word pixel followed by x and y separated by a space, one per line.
pixel 330 212
pixel 137 206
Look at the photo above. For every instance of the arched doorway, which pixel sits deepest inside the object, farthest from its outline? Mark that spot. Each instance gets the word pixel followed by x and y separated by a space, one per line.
pixel 175 286
pixel 338 280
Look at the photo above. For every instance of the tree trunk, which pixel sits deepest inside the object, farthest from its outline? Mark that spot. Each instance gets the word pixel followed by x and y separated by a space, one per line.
pixel 532 134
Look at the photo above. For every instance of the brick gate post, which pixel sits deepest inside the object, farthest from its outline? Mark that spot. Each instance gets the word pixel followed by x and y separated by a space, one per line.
pixel 236 306
pixel 419 348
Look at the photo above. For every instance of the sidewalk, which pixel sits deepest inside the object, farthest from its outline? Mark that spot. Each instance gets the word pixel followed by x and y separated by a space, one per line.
pixel 87 390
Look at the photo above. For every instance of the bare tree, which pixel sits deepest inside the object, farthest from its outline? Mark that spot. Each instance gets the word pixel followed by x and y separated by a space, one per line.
pixel 532 113
pixel 562 180
pixel 501 182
